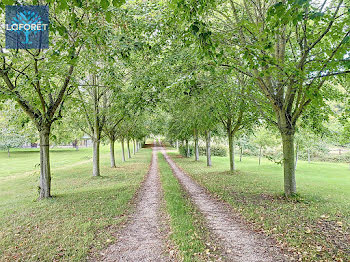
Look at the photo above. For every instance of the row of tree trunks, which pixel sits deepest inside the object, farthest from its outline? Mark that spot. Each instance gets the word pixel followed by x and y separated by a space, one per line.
pixel 136 147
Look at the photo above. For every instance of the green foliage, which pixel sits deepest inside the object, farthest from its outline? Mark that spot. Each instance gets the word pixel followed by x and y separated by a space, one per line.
pixel 215 150
pixel 10 139
pixel 183 151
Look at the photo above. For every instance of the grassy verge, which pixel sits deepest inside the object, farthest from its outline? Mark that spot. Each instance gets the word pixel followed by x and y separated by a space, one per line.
pixel 70 225
pixel 188 231
pixel 315 226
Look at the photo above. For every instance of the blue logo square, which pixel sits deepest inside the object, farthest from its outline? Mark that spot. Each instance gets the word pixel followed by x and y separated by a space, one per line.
pixel 27 27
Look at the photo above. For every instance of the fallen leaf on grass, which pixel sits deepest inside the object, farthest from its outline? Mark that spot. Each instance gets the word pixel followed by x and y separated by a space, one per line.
pixel 307 230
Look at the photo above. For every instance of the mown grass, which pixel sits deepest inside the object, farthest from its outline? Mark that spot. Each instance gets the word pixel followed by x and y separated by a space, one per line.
pixel 314 225
pixel 82 215
pixel 188 231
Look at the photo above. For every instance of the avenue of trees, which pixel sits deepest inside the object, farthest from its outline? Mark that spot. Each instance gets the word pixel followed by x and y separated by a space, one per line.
pixel 273 71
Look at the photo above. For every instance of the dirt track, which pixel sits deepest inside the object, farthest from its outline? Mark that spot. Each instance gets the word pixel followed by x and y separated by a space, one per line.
pixel 141 239
pixel 240 244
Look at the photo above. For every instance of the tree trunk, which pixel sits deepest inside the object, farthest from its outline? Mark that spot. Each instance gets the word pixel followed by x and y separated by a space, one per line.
pixel 134 146
pixel 241 153
pixel 45 171
pixel 296 156
pixel 8 152
pixel 308 156
pixel 187 148
pixel 96 158
pixel 196 157
pixel 231 148
pixel 208 153
pixel 123 151
pixel 260 152
pixel 177 145
pixel 128 146
pixel 111 145
pixel 75 144
pixel 288 163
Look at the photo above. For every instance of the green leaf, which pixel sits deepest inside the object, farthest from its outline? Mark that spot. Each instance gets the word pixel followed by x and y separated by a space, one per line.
pixel 108 16
pixel 63 5
pixel 8 2
pixel 118 3
pixel 78 3
pixel 104 4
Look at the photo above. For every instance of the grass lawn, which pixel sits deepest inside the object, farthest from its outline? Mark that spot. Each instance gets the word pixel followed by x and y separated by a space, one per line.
pixel 315 225
pixel 188 231
pixel 69 225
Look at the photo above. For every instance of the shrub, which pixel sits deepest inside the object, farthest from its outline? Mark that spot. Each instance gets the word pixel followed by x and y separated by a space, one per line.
pixel 215 150
pixel 183 151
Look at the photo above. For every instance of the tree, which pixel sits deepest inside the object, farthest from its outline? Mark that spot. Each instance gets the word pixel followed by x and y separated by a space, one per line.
pixel 232 108
pixel 289 49
pixel 264 138
pixel 92 102
pixel 40 81
pixel 10 139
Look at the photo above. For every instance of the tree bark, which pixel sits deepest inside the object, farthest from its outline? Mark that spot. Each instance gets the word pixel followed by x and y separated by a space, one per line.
pixel 241 154
pixel 260 152
pixel 134 146
pixel 128 146
pixel 231 148
pixel 177 145
pixel 296 156
pixel 196 158
pixel 75 144
pixel 8 152
pixel 308 156
pixel 96 158
pixel 289 168
pixel 123 151
pixel 208 153
pixel 111 145
pixel 45 172
pixel 187 148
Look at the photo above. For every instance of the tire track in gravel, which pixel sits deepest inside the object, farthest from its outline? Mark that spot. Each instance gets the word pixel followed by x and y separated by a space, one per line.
pixel 239 243
pixel 142 239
